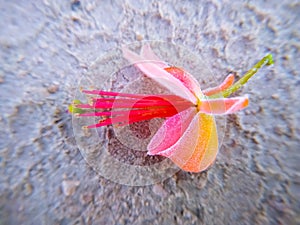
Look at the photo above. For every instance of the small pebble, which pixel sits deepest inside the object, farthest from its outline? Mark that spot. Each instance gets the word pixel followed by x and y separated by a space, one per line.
pixel 87 132
pixel 28 188
pixel 23 73
pixel 86 198
pixel 139 37
pixel 69 187
pixel 43 45
pixel 159 190
pixel 275 96
pixel 21 208
pixel 75 5
pixel 52 89
pixel 279 130
pixel 20 58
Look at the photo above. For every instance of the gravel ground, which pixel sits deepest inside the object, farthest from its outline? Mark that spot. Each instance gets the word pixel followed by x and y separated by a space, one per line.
pixel 46 48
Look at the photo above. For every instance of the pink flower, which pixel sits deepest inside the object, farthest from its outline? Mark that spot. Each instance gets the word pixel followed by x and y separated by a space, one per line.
pixel 188 136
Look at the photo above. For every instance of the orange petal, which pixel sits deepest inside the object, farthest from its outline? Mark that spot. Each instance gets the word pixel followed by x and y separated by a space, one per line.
pixel 207 146
pixel 226 84
pixel 199 142
pixel 223 105
pixel 210 152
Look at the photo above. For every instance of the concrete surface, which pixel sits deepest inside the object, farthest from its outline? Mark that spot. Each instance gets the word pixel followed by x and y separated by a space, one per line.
pixel 47 46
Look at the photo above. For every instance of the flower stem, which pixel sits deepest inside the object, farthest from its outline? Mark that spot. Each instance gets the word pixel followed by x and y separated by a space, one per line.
pixel 267 60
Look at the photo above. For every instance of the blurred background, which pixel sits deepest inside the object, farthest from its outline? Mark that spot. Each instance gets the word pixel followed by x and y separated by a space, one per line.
pixel 46 46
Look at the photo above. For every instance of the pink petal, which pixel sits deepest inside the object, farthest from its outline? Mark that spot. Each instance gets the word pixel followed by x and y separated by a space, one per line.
pixel 147 53
pixel 226 84
pixel 159 75
pixel 171 130
pixel 223 105
pixel 187 79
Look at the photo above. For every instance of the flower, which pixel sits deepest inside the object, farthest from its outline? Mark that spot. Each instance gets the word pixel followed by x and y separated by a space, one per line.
pixel 188 136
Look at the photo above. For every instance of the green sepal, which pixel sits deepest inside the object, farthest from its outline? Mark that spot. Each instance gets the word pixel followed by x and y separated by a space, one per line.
pixel 73 109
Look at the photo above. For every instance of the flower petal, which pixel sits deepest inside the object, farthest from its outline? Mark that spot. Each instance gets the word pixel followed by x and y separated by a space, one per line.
pixel 159 75
pixel 207 146
pixel 226 84
pixel 210 153
pixel 223 105
pixel 171 130
pixel 199 142
pixel 187 79
pixel 147 53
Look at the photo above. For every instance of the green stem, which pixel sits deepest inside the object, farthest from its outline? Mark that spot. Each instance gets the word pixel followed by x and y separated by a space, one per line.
pixel 267 60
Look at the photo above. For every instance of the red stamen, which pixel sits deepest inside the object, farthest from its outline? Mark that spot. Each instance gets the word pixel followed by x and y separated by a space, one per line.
pixel 124 112
pixel 133 117
pixel 139 107
pixel 132 103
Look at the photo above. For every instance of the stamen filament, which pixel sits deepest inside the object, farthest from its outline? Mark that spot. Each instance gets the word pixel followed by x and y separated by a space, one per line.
pixel 132 103
pixel 138 96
